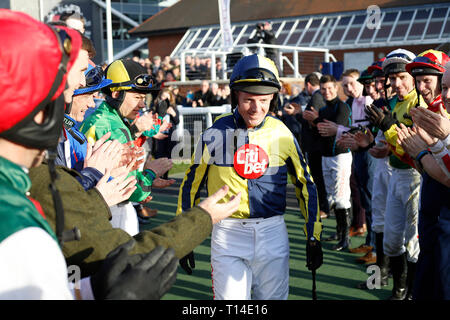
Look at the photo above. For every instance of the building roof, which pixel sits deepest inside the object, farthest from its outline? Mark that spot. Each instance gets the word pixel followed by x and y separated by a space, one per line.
pixel 188 13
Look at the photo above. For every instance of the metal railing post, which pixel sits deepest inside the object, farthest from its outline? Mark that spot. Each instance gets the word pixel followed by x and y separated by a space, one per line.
pixel 327 56
pixel 183 66
pixel 295 56
pixel 180 126
pixel 209 121
pixel 223 58
pixel 280 61
pixel 213 66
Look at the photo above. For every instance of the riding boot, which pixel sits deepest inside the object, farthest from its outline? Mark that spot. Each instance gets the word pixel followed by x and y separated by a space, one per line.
pixel 410 277
pixel 343 219
pixel 399 272
pixel 336 236
pixel 382 259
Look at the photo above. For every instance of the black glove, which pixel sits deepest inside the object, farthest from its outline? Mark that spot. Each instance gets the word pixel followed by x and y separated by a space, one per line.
pixel 137 277
pixel 314 254
pixel 381 119
pixel 188 262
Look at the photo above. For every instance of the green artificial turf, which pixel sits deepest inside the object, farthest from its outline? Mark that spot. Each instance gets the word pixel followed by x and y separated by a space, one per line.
pixel 336 278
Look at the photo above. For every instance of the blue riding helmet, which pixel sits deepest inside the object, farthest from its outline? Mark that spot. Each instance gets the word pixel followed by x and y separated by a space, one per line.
pixel 255 74
pixel 95 80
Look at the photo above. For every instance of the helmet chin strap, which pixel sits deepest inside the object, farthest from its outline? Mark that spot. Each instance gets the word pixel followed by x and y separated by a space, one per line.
pixel 116 103
pixel 68 107
pixel 61 234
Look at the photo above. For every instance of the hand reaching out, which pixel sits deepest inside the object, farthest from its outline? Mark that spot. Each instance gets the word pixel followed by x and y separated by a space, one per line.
pixel 162 183
pixel 219 211
pixel 159 166
pixel 327 128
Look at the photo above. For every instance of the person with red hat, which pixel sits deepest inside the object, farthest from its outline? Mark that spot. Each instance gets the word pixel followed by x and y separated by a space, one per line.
pixel 368 81
pixel 375 142
pixel 31 262
pixel 400 240
pixel 428 69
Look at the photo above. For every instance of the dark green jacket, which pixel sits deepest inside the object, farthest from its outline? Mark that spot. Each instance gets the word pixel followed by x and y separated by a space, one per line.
pixel 88 211
pixel 17 212
pixel 106 119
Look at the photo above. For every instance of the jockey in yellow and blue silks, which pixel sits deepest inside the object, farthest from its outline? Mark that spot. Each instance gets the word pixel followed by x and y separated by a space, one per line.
pixel 252 153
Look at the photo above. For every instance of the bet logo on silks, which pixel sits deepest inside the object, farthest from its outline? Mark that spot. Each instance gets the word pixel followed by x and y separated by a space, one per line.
pixel 250 161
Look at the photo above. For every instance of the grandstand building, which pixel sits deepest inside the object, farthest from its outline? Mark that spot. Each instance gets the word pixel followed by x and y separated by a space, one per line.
pixel 353 32
pixel 126 14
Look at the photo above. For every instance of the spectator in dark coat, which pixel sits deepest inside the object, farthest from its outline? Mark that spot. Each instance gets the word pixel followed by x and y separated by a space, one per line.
pixel 203 97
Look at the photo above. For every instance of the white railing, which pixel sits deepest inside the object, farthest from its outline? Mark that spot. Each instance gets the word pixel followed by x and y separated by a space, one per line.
pixel 205 113
pixel 193 121
pixel 245 50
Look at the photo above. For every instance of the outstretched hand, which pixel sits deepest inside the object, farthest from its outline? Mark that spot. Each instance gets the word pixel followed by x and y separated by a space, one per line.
pixel 159 166
pixel 220 211
pixel 162 183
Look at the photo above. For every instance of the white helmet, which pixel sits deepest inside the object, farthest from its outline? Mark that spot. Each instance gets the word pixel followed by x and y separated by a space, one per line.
pixel 396 61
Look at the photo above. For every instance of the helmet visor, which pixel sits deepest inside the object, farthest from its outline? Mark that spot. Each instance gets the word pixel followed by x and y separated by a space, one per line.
pixel 257 81
pixel 258 75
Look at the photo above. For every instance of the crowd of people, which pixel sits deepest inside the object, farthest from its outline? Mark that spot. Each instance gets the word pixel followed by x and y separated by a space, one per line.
pixel 67 190
pixel 76 185
pixel 168 69
pixel 380 162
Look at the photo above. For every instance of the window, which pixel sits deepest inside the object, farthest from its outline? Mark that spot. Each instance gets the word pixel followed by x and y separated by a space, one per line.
pixel 427 23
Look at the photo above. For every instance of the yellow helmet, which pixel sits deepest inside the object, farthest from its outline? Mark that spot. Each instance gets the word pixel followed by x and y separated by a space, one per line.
pixel 129 75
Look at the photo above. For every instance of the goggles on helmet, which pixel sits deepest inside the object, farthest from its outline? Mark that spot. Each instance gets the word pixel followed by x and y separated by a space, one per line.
pixel 94 76
pixel 399 55
pixel 142 81
pixel 424 59
pixel 256 75
pixel 64 39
